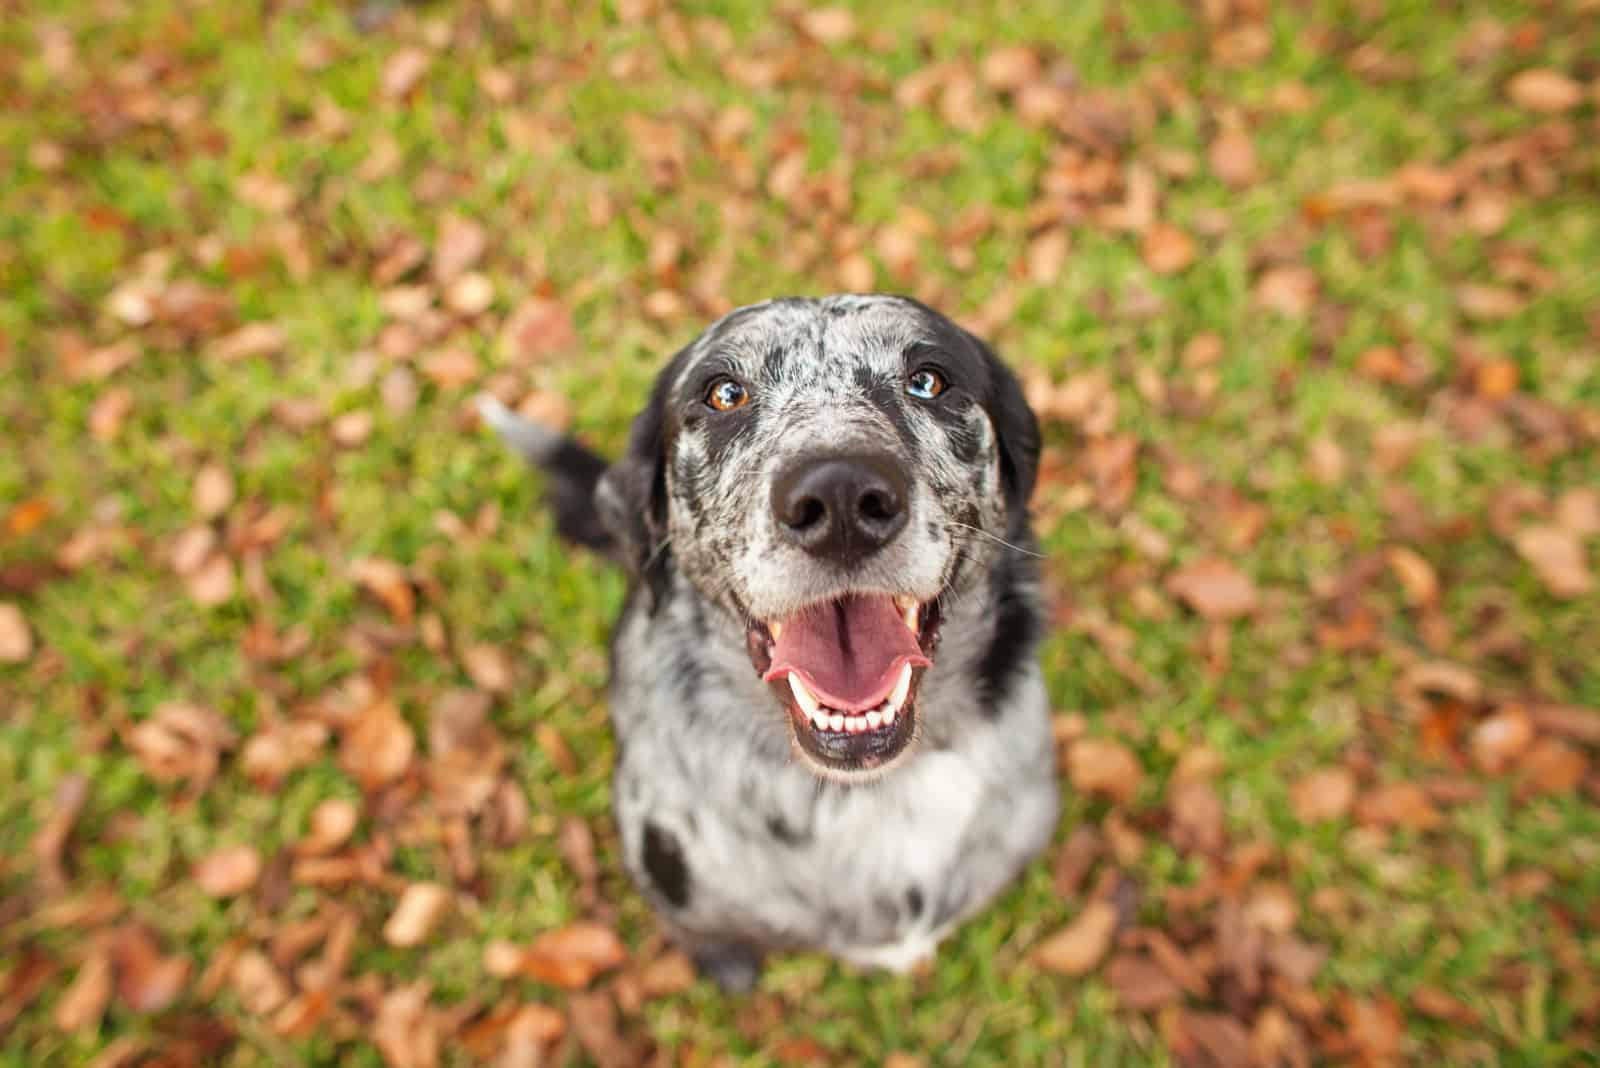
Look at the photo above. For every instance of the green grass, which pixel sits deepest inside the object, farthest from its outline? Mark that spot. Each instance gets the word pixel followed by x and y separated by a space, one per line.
pixel 163 107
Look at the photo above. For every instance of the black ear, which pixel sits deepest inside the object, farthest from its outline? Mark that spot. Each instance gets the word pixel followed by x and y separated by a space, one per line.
pixel 631 497
pixel 1017 429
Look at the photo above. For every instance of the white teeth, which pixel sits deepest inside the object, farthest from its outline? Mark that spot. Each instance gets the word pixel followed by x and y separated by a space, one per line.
pixel 819 720
pixel 775 628
pixel 874 721
pixel 836 722
pixel 908 611
pixel 807 700
pixel 888 714
pixel 901 688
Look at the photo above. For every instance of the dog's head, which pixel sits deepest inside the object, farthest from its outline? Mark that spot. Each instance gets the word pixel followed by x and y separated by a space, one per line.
pixel 831 473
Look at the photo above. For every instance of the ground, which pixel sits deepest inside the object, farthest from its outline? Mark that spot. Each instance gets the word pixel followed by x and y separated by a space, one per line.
pixel 303 754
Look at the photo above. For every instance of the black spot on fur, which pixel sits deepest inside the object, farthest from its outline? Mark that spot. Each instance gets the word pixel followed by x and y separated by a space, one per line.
pixel 782 832
pixel 965 443
pixel 663 860
pixel 1016 630
pixel 914 901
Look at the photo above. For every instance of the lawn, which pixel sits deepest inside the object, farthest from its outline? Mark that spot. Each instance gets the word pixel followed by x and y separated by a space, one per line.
pixel 303 746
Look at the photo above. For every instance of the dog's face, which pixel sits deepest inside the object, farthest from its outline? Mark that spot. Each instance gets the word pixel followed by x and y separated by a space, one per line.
pixel 830 472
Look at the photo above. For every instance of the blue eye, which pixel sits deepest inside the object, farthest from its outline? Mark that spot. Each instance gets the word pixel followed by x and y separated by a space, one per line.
pixel 925 383
pixel 725 395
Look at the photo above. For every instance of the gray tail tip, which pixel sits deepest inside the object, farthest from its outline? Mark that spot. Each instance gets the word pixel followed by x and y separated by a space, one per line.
pixel 535 441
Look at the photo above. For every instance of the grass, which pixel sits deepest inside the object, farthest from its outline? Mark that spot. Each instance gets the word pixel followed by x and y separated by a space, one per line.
pixel 126 159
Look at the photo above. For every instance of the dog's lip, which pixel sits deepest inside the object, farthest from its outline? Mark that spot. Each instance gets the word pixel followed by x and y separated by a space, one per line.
pixel 859 746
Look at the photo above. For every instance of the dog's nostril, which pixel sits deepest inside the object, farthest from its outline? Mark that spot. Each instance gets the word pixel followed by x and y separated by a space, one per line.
pixel 878 506
pixel 810 512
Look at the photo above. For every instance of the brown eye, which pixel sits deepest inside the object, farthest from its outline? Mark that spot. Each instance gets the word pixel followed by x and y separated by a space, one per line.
pixel 725 395
pixel 925 383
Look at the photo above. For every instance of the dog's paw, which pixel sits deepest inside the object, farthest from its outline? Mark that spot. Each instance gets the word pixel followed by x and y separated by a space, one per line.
pixel 736 969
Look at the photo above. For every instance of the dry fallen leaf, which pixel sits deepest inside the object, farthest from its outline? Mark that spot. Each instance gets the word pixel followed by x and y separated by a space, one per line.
pixel 1557 557
pixel 1551 766
pixel 1501 739
pixel 1103 767
pixel 260 988
pixel 1401 804
pixel 406 1030
pixel 109 411
pixel 1233 158
pixel 1167 249
pixel 1545 91
pixel 539 327
pixel 84 1002
pixel 1324 794
pixel 402 71
pixel 181 741
pixel 451 368
pixel 420 909
pixel 1141 984
pixel 378 746
pixel 251 341
pixel 1079 946
pixel 389 583
pixel 829 25
pixel 1416 575
pixel 1214 588
pixel 488 666
pixel 332 823
pixel 1010 67
pixel 213 582
pixel 1289 291
pixel 228 871
pixel 146 981
pixel 213 491
pixel 270 755
pixel 570 957
pixel 16 640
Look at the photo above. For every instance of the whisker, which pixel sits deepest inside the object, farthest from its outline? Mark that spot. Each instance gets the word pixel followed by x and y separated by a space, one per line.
pixel 993 538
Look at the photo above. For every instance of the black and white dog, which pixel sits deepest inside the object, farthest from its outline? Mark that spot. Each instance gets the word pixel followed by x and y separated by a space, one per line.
pixel 831 731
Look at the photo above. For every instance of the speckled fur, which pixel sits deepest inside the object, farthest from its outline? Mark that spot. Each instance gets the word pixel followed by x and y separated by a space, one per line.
pixel 738 844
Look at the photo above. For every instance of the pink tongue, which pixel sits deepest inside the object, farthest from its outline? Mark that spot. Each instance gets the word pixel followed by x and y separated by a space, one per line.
pixel 849 652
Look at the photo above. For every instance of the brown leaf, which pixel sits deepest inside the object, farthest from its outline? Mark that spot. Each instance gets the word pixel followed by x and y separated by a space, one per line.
pixel 84 1002
pixel 270 755
pixel 50 841
pixel 389 583
pixel 1485 303
pixel 829 25
pixel 402 71
pixel 1400 804
pixel 213 491
pixel 1167 249
pixel 1233 158
pixel 471 294
pixel 1197 818
pixel 228 871
pixel 539 327
pixel 1438 1004
pixel 1557 557
pixel 1324 794
pixel 258 985
pixel 1578 511
pixel 378 746
pixel 572 956
pixel 1140 983
pixel 1416 575
pixel 671 973
pixel 332 823
pixel 146 981
pixel 1501 739
pixel 1103 767
pixel 1374 1027
pixel 1551 766
pixel 251 341
pixel 1010 67
pixel 488 667
pixel 420 909
pixel 109 411
pixel 461 244
pixel 213 582
pixel 406 1030
pixel 1047 255
pixel 181 741
pixel 594 1022
pixel 1545 91
pixel 1083 847
pixel 352 429
pixel 1079 946
pixel 1289 291
pixel 16 640
pixel 1214 588
pixel 451 368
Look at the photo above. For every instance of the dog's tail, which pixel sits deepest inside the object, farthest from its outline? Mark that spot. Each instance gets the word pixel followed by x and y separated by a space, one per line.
pixel 571 472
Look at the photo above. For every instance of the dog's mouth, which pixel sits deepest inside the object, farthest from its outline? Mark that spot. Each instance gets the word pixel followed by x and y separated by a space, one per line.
pixel 847 670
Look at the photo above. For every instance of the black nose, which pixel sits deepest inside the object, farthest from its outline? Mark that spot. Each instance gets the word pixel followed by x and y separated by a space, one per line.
pixel 841 508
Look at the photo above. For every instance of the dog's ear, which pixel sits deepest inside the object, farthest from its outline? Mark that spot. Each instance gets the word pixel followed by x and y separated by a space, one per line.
pixel 631 497
pixel 1017 430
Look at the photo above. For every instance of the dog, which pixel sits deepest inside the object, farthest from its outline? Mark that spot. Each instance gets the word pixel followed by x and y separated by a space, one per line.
pixel 831 729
